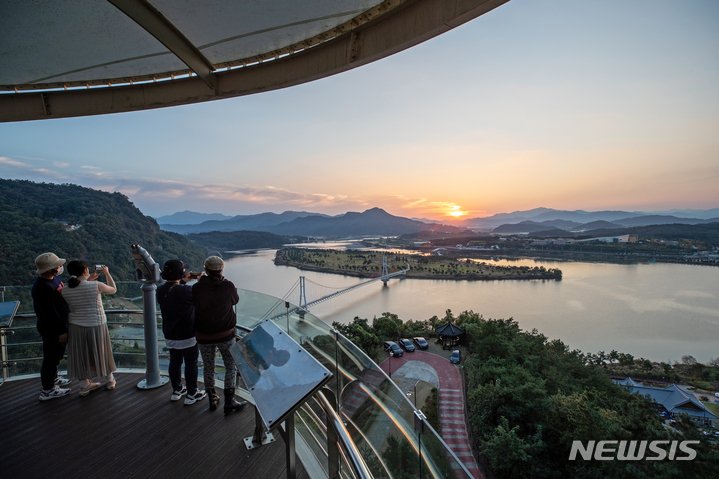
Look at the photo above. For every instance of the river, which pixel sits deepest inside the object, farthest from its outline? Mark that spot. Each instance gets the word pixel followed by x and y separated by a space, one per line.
pixel 653 310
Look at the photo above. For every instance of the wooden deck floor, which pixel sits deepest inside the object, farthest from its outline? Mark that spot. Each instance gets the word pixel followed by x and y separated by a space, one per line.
pixel 127 432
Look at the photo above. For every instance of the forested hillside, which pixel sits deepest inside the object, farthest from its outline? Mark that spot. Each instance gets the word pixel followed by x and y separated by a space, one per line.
pixel 236 240
pixel 79 223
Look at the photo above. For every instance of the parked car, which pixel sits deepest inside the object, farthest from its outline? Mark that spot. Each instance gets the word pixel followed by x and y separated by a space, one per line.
pixel 716 394
pixel 391 346
pixel 456 356
pixel 407 345
pixel 421 343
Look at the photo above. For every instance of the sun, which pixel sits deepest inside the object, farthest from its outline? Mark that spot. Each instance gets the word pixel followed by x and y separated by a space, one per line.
pixel 455 211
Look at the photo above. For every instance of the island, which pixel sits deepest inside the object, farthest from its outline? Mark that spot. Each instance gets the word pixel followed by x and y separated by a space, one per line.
pixel 368 264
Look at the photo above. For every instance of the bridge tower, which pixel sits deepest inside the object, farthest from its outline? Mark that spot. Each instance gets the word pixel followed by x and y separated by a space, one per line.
pixel 385 270
pixel 302 303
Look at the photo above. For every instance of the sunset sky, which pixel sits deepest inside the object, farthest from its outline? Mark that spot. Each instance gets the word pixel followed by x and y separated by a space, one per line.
pixel 566 104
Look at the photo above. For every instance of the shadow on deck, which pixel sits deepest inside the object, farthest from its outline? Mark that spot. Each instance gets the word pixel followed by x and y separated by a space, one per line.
pixel 127 432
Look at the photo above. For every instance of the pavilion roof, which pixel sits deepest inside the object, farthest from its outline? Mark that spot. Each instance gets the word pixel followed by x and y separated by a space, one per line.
pixel 449 329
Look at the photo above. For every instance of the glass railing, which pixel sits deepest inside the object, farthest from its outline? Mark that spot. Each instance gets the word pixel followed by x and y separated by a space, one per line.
pixel 23 345
pixel 376 413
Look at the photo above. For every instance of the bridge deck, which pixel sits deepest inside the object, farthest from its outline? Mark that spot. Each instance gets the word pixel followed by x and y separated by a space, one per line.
pixel 127 432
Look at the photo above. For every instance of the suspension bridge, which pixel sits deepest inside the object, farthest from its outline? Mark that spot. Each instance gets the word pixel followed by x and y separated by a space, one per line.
pixel 298 293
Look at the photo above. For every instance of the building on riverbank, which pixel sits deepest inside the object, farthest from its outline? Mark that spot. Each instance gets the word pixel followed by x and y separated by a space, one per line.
pixel 673 399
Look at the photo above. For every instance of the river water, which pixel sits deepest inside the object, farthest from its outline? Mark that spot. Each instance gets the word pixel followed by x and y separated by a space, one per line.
pixel 652 310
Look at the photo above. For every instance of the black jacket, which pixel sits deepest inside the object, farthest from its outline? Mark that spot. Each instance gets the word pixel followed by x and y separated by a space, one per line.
pixel 51 309
pixel 215 317
pixel 178 311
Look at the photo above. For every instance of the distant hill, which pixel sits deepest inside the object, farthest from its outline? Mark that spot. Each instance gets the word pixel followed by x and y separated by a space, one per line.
pixel 662 220
pixel 259 222
pixel 705 232
pixel 79 223
pixel 701 214
pixel 596 225
pixel 374 221
pixel 624 218
pixel 238 240
pixel 563 224
pixel 521 227
pixel 190 218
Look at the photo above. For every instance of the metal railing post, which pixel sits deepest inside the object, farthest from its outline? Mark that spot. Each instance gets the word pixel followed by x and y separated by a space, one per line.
pixel 419 419
pixel 290 453
pixel 3 355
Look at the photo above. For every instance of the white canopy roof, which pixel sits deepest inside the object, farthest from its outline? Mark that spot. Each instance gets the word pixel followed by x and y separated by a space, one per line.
pixel 83 57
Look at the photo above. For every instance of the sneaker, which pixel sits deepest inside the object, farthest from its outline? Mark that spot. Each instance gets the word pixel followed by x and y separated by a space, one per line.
pixel 92 387
pixel 61 381
pixel 193 398
pixel 177 395
pixel 55 392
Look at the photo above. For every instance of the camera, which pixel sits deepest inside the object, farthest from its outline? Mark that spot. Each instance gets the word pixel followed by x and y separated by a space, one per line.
pixel 195 274
pixel 98 267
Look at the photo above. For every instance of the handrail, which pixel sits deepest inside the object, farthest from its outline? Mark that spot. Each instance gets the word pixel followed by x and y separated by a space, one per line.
pixel 358 465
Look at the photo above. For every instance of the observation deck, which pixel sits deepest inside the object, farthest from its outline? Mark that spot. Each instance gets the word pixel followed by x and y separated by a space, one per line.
pixel 129 431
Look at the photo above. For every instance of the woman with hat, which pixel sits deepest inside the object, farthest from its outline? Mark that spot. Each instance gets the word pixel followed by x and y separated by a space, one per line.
pixel 214 297
pixel 51 311
pixel 89 351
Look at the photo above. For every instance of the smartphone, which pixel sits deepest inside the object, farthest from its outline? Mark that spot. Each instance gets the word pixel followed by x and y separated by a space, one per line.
pixel 98 267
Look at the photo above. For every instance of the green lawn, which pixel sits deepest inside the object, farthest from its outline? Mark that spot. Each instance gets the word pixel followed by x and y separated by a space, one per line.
pixel 713 407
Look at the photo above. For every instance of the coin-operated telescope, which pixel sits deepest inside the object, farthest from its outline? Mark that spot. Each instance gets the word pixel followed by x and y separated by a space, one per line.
pixel 148 274
pixel 147 270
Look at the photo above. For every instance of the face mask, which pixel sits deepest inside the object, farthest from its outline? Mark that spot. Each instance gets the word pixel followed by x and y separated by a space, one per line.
pixel 60 270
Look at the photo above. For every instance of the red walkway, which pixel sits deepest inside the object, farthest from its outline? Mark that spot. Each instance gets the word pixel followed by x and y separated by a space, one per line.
pixel 451 403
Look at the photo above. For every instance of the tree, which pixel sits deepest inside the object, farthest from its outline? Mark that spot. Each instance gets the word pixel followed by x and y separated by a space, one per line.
pixel 510 455
pixel 360 333
pixel 688 359
pixel 647 365
pixel 626 359
pixel 388 326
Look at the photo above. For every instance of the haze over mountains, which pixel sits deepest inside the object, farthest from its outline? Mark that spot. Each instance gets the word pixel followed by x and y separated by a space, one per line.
pixel 575 219
pixel 376 221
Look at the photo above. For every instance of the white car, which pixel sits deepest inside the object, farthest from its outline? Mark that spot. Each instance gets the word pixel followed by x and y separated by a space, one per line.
pixel 716 394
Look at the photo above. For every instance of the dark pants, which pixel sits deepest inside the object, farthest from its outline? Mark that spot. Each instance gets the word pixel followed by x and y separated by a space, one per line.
pixel 189 355
pixel 52 353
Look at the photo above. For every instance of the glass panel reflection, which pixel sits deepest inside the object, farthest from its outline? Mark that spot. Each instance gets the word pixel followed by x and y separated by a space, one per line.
pixel 279 374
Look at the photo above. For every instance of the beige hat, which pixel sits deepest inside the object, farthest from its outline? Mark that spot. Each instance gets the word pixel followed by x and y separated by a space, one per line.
pixel 214 263
pixel 47 261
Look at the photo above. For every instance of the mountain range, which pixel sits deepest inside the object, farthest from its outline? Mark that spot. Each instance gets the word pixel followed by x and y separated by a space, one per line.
pixel 259 222
pixel 190 218
pixel 376 221
pixel 579 220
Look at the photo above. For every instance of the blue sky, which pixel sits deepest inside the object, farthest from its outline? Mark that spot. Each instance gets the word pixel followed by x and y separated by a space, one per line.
pixel 563 104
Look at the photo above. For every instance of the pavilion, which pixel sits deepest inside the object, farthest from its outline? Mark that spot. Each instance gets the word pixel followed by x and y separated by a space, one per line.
pixel 449 335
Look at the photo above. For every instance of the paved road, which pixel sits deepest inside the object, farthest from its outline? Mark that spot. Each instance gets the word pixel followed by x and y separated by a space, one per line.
pixel 451 401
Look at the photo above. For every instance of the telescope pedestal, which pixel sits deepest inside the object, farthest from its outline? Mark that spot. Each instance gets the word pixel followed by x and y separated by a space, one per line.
pixel 152 372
